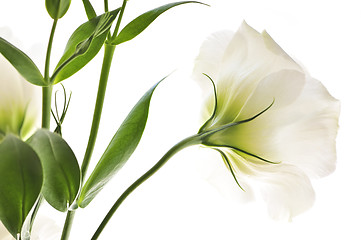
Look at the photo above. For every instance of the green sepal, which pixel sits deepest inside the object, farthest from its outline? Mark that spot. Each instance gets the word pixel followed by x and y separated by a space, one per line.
pixel 120 148
pixel 21 179
pixel 139 24
pixel 83 45
pixel 57 8
pixel 22 63
pixel 60 167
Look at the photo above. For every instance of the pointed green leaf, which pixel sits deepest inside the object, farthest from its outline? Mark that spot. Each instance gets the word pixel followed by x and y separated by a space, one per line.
pixel 138 25
pixel 90 12
pixel 22 63
pixel 83 45
pixel 61 169
pixel 20 182
pixel 120 148
pixel 57 8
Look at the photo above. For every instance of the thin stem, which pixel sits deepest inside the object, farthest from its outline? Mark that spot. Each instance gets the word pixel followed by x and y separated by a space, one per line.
pixel 106 9
pixel 36 209
pixel 116 29
pixel 193 140
pixel 45 123
pixel 68 224
pixel 46 105
pixel 107 60
pixel 48 52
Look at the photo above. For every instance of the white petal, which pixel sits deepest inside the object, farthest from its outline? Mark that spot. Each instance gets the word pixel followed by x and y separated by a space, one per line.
pixel 301 134
pixel 208 62
pixel 286 190
pixel 216 172
pixel 252 53
pixel 309 143
pixel 282 88
pixel 248 59
pixel 210 56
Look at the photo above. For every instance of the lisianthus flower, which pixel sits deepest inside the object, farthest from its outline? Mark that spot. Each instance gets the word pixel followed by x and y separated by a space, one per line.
pixel 271 122
pixel 19 105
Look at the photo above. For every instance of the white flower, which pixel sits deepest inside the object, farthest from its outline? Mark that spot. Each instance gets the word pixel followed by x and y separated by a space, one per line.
pixel 279 124
pixel 19 103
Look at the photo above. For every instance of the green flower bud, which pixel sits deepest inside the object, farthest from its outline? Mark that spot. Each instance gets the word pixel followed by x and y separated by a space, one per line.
pixel 57 8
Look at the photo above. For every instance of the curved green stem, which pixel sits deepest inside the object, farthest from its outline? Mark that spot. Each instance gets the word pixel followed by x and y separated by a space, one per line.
pixel 107 60
pixel 48 52
pixel 193 140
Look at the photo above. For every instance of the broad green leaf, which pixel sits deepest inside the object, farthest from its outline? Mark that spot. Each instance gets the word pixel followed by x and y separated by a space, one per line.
pixel 119 149
pixel 57 8
pixel 83 45
pixel 90 12
pixel 20 182
pixel 60 167
pixel 22 63
pixel 139 24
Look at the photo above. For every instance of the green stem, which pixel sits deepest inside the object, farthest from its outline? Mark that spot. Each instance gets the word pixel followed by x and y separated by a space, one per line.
pixel 36 209
pixel 45 123
pixel 116 29
pixel 107 60
pixel 68 224
pixel 48 52
pixel 46 106
pixel 193 140
pixel 106 9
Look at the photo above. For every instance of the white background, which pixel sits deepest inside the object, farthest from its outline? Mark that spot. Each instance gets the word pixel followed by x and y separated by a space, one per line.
pixel 178 203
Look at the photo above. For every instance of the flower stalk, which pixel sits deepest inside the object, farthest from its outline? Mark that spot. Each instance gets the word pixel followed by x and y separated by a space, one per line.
pixel 190 141
pixel 116 29
pixel 47 91
pixel 46 104
pixel 107 60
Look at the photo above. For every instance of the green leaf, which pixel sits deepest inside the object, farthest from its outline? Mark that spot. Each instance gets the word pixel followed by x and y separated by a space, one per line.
pixel 120 148
pixel 22 63
pixel 139 24
pixel 61 169
pixel 57 8
pixel 20 182
pixel 83 45
pixel 90 12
